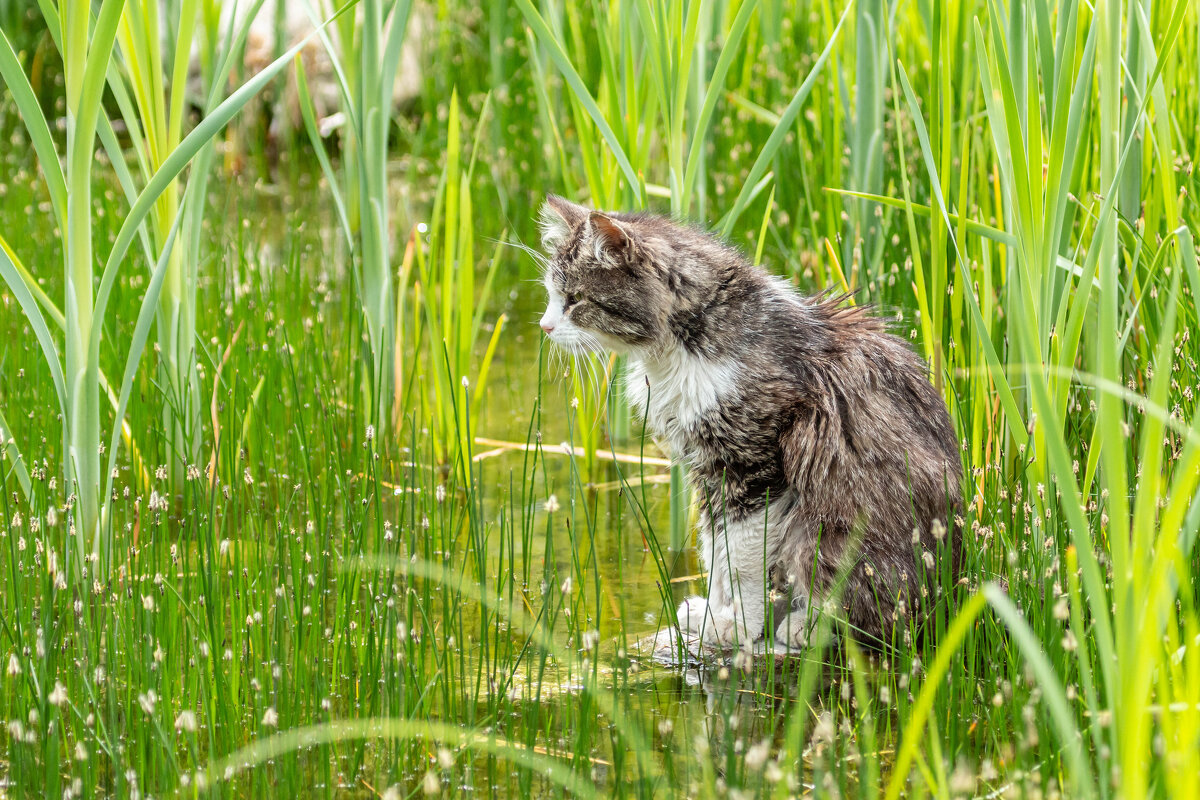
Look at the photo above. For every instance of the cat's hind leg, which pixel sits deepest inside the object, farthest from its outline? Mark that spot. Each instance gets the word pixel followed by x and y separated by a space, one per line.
pixel 795 625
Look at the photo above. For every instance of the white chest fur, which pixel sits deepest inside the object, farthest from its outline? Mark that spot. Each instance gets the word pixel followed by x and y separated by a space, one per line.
pixel 675 391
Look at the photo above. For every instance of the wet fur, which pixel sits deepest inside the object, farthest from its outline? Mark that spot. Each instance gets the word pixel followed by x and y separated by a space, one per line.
pixel 814 438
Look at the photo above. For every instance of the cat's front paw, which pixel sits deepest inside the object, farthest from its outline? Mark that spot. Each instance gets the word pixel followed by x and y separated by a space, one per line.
pixel 693 614
pixel 726 628
pixel 716 626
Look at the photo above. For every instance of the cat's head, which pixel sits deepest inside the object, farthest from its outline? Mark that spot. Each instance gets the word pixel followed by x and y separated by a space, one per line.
pixel 606 290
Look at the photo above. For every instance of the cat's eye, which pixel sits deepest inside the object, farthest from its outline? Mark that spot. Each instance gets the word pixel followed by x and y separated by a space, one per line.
pixel 569 301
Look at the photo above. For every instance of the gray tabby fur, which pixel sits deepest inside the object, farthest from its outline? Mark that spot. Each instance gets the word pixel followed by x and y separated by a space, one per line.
pixel 818 447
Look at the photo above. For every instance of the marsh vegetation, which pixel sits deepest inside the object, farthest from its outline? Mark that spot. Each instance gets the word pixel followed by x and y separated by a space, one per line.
pixel 297 501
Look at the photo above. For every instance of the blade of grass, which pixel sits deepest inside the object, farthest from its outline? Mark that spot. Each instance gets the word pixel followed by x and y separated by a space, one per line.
pixel 559 56
pixel 767 154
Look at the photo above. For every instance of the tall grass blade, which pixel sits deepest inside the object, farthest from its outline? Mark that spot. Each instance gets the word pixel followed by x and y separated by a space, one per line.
pixel 767 154
pixel 559 56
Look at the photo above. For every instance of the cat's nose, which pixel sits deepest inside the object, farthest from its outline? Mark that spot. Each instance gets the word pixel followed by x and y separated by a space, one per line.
pixel 547 328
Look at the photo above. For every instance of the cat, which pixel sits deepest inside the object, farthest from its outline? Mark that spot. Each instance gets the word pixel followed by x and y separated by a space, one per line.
pixel 823 457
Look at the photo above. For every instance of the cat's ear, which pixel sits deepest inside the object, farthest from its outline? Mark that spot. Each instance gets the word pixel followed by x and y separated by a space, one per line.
pixel 558 219
pixel 609 237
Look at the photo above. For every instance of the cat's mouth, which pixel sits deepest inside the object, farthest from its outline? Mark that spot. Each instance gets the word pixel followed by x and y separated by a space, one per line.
pixel 577 342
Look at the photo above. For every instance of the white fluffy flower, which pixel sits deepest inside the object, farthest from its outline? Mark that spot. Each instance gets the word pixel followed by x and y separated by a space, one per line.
pixel 58 696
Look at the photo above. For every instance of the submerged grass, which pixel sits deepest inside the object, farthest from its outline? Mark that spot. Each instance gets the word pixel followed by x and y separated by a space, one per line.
pixel 324 606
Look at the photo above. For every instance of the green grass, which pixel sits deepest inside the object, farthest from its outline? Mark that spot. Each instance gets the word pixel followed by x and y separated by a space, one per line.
pixel 326 605
pixel 366 60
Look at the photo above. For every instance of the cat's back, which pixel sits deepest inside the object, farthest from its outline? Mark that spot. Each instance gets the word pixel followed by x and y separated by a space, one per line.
pixel 858 396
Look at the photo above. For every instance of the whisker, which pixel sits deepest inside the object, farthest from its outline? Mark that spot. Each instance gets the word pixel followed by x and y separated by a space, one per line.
pixel 600 385
pixel 538 257
pixel 595 364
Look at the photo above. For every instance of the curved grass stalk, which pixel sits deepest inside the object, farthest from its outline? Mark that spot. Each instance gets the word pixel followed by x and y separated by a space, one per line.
pixel 137 345
pixel 693 176
pixel 19 283
pixel 37 127
pixel 864 233
pixel 290 741
pixel 914 728
pixel 86 59
pixel 537 635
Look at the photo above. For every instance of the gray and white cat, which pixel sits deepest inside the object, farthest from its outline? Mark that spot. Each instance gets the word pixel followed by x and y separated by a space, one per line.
pixel 817 444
